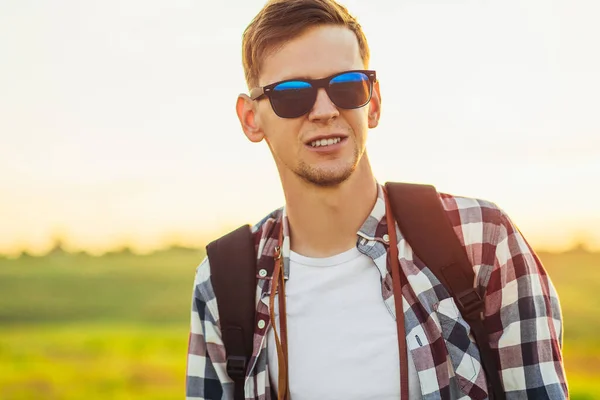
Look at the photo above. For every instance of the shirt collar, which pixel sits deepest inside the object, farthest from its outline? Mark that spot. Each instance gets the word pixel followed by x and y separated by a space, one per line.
pixel 371 236
pixel 370 230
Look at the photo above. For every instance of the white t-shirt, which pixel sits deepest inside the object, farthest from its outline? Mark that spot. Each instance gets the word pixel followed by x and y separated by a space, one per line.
pixel 342 340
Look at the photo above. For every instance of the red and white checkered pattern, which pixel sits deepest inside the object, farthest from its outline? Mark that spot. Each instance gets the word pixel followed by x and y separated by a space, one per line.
pixel 522 312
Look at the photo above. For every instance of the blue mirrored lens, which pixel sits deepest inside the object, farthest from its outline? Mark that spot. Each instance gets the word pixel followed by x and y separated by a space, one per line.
pixel 350 90
pixel 292 85
pixel 292 99
pixel 350 77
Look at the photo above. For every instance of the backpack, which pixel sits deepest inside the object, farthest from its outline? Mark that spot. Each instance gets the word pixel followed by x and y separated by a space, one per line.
pixel 425 225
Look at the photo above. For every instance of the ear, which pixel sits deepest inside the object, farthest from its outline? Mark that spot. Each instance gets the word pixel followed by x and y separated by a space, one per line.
pixel 246 113
pixel 375 106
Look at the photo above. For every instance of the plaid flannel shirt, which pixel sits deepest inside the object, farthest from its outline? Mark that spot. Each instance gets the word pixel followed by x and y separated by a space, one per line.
pixel 522 312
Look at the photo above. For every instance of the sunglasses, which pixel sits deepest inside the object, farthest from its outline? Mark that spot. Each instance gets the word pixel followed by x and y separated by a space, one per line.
pixel 293 98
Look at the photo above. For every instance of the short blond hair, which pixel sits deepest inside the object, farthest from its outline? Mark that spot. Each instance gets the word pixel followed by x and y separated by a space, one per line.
pixel 280 21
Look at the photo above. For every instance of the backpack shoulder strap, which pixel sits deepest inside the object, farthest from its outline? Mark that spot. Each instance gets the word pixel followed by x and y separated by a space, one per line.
pixel 424 223
pixel 232 260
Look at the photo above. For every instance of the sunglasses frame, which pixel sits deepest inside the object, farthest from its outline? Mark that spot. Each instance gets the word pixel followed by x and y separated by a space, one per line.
pixel 258 93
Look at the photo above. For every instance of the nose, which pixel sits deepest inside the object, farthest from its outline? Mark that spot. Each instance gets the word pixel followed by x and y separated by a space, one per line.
pixel 323 110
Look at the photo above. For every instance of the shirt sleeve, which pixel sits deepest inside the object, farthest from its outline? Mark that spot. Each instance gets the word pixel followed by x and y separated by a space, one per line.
pixel 524 320
pixel 206 376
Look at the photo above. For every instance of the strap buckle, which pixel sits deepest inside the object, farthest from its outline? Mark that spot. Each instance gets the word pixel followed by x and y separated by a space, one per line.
pixel 470 303
pixel 236 367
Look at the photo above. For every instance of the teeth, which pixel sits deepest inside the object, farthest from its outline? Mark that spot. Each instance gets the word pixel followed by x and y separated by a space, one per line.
pixel 325 142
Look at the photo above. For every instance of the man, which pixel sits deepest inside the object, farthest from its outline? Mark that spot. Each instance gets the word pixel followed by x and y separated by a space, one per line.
pixel 312 100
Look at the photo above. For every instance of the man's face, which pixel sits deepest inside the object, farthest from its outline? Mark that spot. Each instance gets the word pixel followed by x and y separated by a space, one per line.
pixel 320 52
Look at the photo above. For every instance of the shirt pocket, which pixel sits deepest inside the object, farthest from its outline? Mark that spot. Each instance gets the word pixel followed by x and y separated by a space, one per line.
pixel 459 341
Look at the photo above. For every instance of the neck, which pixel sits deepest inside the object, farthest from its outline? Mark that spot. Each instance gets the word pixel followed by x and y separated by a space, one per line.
pixel 324 220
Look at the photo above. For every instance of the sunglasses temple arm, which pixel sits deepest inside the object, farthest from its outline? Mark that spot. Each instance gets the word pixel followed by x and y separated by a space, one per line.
pixel 257 93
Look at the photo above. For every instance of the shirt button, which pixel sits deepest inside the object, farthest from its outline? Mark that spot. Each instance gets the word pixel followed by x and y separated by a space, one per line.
pixel 262 273
pixel 261 324
pixel 386 238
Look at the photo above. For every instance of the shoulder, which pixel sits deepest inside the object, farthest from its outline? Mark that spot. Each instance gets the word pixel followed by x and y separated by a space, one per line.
pixel 203 290
pixel 468 210
pixel 260 232
pixel 481 226
pixel 477 219
pixel 202 274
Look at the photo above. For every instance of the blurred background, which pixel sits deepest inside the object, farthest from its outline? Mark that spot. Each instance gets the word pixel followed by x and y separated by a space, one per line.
pixel 121 156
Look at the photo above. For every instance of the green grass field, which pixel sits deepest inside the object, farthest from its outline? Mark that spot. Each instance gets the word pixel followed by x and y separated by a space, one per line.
pixel 115 327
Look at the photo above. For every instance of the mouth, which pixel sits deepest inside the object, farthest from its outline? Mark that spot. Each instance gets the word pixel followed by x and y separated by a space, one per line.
pixel 325 141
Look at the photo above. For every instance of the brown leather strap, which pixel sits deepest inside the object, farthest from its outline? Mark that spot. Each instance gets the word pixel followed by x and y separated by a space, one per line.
pixel 397 278
pixel 277 282
pixel 283 329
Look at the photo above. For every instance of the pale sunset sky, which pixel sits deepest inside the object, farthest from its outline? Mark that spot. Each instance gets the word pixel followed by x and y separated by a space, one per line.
pixel 118 127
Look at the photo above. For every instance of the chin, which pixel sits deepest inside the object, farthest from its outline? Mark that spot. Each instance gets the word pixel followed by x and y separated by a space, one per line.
pixel 324 178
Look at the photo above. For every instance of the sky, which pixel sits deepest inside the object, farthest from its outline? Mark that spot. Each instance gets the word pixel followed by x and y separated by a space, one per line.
pixel 118 124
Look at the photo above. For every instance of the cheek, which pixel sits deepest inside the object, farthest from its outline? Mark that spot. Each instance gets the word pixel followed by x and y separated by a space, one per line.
pixel 358 121
pixel 281 133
